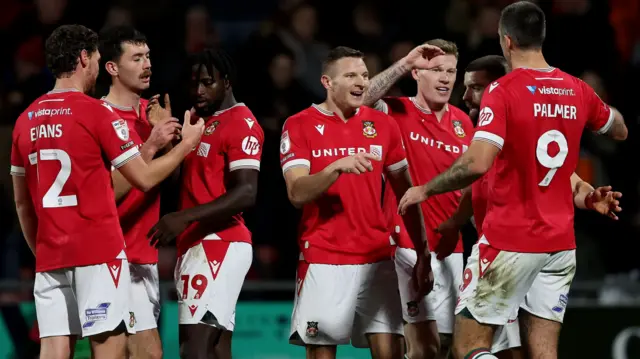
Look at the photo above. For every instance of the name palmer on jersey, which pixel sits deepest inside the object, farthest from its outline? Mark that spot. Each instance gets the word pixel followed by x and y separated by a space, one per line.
pixel 546 110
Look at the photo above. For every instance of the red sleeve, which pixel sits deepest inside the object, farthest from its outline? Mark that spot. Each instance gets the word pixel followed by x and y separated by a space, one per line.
pixel 116 140
pixel 294 150
pixel 17 160
pixel 244 145
pixel 396 158
pixel 600 116
pixel 492 119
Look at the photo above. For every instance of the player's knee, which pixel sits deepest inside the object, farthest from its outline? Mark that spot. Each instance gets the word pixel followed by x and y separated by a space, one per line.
pixel 55 348
pixel 154 352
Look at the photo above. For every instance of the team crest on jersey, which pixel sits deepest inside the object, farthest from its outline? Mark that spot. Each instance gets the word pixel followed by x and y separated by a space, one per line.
pixel 132 319
pixel 212 127
pixel 368 129
pixel 412 308
pixel 457 128
pixel 312 329
pixel 121 128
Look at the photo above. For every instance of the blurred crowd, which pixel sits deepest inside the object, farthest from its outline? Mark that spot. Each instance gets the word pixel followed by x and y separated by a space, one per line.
pixel 278 47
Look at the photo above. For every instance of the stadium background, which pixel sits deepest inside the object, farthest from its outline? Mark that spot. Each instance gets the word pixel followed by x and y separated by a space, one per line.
pixel 278 47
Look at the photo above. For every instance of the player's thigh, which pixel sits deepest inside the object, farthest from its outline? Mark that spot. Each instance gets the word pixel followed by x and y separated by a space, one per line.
pixel 495 282
pixel 56 306
pixel 506 337
pixel 378 308
pixel 145 344
pixel 447 276
pixel 145 295
pixel 548 296
pixel 103 295
pixel 209 278
pixel 414 309
pixel 325 304
pixel 539 335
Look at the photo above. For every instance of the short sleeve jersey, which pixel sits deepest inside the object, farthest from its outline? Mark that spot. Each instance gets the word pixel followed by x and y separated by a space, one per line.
pixel 232 140
pixel 432 147
pixel 346 224
pixel 68 142
pixel 138 210
pixel 536 117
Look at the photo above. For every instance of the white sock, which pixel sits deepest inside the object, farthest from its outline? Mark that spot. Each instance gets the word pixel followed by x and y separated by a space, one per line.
pixel 480 354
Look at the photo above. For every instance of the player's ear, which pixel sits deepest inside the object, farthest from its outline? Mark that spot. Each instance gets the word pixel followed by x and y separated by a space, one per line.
pixel 227 83
pixel 507 41
pixel 414 74
pixel 326 81
pixel 85 58
pixel 111 68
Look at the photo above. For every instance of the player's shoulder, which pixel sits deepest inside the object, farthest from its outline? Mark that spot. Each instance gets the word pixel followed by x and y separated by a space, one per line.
pixel 398 104
pixel 241 116
pixel 299 118
pixel 368 113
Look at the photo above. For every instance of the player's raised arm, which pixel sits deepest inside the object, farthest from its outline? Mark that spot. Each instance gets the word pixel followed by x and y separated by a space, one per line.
pixel 418 58
pixel 146 176
pixel 161 136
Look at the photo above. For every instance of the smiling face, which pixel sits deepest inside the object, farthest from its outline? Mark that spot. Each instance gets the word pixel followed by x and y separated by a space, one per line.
pixel 435 84
pixel 346 81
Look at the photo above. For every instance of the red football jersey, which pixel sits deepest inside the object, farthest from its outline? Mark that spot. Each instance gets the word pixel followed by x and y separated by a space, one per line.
pixel 138 211
pixel 536 117
pixel 232 140
pixel 399 232
pixel 346 224
pixel 479 201
pixel 68 141
pixel 432 147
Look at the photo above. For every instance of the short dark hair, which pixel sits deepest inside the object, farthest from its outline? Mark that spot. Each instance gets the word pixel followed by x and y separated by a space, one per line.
pixel 524 22
pixel 338 53
pixel 112 39
pixel 494 65
pixel 218 59
pixel 64 46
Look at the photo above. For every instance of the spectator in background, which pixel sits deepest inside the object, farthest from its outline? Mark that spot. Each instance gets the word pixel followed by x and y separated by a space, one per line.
pixel 300 39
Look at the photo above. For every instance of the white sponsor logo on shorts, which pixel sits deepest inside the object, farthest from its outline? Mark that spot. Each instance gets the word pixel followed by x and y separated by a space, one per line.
pixel 93 315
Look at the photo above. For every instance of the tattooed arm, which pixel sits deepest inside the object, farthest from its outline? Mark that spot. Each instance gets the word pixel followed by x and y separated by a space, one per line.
pixel 474 163
pixel 418 58
pixel 463 172
pixel 618 130
pixel 383 82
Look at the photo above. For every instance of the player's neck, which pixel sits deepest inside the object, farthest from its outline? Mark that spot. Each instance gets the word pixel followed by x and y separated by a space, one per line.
pixel 72 82
pixel 533 59
pixel 343 113
pixel 123 97
pixel 438 109
pixel 228 102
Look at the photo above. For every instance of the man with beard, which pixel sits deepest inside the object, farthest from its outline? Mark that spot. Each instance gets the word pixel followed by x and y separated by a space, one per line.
pixel 219 182
pixel 125 57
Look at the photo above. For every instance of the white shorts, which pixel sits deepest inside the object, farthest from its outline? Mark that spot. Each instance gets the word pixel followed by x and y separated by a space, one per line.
pixel 506 337
pixel 335 304
pixel 497 283
pixel 145 295
pixel 84 300
pixel 209 277
pixel 441 301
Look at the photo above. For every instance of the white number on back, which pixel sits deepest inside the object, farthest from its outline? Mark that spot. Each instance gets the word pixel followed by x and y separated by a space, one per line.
pixel 542 154
pixel 53 199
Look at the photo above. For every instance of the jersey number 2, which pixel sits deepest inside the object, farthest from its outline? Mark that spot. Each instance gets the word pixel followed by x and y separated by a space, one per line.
pixel 53 199
pixel 542 154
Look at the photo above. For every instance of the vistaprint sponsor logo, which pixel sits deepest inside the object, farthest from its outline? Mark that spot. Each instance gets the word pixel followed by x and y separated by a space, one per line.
pixel 551 91
pixel 50 112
